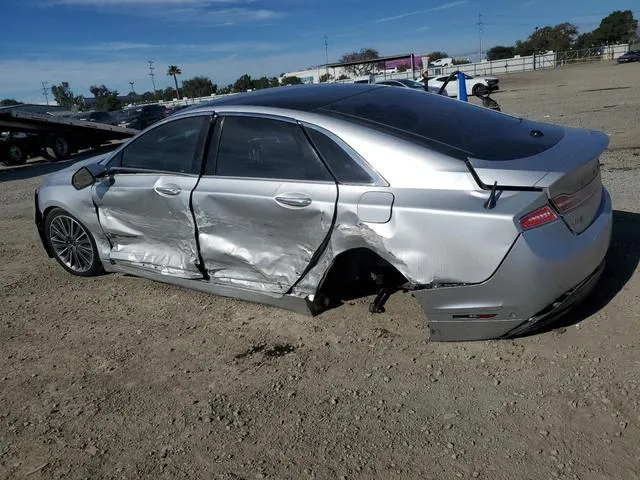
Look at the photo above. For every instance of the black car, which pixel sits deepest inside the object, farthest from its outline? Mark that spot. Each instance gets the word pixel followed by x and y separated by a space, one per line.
pixel 633 56
pixel 98 117
pixel 141 117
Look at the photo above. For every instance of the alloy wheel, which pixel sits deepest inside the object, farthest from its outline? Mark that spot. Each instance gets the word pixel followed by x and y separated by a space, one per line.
pixel 71 243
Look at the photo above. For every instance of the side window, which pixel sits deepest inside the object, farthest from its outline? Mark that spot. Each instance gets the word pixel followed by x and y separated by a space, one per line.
pixel 343 166
pixel 264 148
pixel 172 147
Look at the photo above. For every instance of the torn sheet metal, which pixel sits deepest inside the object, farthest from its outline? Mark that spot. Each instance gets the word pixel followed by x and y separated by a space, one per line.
pixel 261 234
pixel 428 238
pixel 148 221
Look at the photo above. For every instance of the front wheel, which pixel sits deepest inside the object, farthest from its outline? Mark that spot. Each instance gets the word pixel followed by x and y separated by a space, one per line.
pixel 72 244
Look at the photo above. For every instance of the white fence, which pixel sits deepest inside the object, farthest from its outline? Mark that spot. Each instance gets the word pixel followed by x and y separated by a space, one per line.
pixel 536 62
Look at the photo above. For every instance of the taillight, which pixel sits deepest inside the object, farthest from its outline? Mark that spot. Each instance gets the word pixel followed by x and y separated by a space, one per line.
pixel 567 202
pixel 538 217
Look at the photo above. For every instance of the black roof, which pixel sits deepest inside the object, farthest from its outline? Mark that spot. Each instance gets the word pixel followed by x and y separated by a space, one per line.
pixel 297 97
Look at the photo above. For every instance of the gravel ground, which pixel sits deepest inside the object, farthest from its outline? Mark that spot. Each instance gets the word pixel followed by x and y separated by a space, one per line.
pixel 118 377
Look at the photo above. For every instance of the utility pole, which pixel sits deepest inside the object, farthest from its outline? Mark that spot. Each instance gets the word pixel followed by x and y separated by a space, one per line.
pixel 151 74
pixel 326 54
pixel 132 90
pixel 44 91
pixel 480 32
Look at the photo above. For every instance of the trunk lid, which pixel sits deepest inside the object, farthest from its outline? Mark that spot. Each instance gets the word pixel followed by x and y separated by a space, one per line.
pixel 569 172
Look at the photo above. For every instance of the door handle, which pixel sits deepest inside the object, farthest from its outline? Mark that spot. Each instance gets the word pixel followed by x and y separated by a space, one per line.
pixel 171 190
pixel 294 201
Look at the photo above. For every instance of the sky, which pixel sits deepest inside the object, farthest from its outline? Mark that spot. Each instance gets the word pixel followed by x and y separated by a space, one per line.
pixel 87 42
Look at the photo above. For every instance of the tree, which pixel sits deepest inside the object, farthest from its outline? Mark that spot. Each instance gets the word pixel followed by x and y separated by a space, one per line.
pixel 64 96
pixel 291 81
pixel 8 102
pixel 461 61
pixel 500 52
pixel 106 100
pixel 174 71
pixel 260 83
pixel 403 67
pixel 360 56
pixel 325 77
pixel 243 83
pixel 557 38
pixel 198 87
pixel 226 90
pixel 274 82
pixel 437 55
pixel 343 77
pixel 617 27
pixel 168 94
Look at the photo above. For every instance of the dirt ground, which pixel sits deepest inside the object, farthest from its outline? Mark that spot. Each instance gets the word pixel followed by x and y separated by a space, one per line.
pixel 118 377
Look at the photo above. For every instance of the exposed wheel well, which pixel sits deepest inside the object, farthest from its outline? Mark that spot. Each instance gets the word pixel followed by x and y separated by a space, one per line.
pixel 358 273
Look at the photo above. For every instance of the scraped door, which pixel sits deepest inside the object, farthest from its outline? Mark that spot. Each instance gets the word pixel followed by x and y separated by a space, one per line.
pixel 264 206
pixel 144 205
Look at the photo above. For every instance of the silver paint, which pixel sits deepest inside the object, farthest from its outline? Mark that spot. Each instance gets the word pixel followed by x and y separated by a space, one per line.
pixel 425 216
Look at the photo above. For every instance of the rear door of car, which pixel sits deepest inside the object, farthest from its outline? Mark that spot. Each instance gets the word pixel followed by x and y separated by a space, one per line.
pixel 265 205
pixel 143 205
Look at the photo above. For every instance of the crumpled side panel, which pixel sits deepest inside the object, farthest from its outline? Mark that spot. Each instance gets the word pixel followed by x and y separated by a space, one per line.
pixel 434 236
pixel 248 239
pixel 146 229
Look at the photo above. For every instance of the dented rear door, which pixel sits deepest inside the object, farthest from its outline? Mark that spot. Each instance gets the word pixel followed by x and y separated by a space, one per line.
pixel 265 205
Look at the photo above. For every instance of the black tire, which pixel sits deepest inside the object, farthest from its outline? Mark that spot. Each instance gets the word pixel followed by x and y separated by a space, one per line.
pixel 14 154
pixel 479 89
pixel 58 147
pixel 61 229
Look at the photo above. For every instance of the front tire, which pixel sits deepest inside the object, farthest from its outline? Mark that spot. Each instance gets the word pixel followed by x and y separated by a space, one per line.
pixel 72 244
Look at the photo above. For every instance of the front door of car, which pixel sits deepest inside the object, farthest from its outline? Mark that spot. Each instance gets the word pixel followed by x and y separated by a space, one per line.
pixel 143 205
pixel 264 206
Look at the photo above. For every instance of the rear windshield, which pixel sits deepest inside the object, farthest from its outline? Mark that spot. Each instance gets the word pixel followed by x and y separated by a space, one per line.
pixel 445 124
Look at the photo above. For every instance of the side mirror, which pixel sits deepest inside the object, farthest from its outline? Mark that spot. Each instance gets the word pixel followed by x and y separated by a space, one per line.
pixel 87 175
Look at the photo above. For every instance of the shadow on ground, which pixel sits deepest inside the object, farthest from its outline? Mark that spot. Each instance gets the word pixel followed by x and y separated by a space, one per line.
pixel 621 263
pixel 40 166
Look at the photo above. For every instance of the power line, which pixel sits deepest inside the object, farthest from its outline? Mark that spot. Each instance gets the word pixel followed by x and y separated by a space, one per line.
pixel 44 91
pixel 151 74
pixel 480 32
pixel 326 54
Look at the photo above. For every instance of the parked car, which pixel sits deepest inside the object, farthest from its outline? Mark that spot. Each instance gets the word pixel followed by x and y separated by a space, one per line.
pixel 475 85
pixel 442 62
pixel 141 117
pixel 99 117
pixel 307 196
pixel 175 109
pixel 633 56
pixel 406 83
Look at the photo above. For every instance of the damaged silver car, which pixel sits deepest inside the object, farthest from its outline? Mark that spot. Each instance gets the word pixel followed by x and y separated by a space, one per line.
pixel 301 197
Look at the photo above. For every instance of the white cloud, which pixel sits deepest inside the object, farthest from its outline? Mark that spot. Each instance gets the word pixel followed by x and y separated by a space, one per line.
pixel 130 3
pixel 115 46
pixel 212 12
pixel 444 6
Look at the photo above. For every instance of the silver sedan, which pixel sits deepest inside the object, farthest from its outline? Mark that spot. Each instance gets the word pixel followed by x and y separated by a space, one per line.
pixel 302 197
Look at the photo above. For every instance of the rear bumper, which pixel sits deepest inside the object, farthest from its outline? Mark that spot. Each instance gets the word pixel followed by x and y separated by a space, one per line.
pixel 547 270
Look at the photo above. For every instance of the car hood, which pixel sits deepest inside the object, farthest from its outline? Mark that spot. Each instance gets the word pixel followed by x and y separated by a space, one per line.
pixel 63 177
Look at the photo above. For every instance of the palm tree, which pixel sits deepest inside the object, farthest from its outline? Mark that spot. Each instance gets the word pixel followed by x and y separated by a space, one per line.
pixel 174 71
